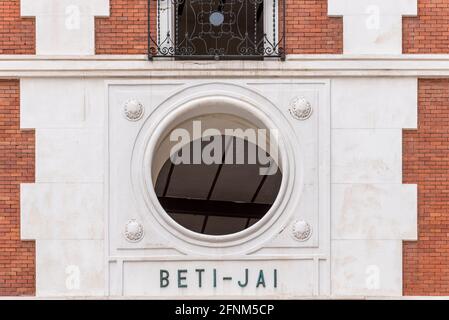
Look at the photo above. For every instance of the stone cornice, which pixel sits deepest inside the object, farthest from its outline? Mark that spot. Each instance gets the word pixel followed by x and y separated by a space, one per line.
pixel 137 66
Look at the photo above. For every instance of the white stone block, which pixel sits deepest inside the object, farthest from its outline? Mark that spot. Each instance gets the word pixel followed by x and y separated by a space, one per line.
pixel 294 278
pixel 65 27
pixel 69 155
pixel 366 156
pixel 372 26
pixel 374 211
pixel 61 211
pixel 384 38
pixel 366 267
pixel 96 108
pixel 56 103
pixel 387 7
pixel 47 102
pixel 70 268
pixel 375 103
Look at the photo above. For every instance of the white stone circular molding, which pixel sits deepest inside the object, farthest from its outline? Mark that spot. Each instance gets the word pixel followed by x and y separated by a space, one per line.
pixel 133 231
pixel 300 108
pixel 301 230
pixel 252 110
pixel 134 110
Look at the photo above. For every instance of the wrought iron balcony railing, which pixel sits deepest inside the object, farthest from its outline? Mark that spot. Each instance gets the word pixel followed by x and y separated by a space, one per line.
pixel 216 29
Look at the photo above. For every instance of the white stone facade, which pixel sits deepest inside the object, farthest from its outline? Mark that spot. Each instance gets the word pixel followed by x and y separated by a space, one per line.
pixel 372 27
pixel 65 26
pixel 344 163
pixel 371 211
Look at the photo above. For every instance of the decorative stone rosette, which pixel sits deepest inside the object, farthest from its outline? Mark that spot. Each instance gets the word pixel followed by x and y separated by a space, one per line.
pixel 133 110
pixel 301 230
pixel 134 231
pixel 300 108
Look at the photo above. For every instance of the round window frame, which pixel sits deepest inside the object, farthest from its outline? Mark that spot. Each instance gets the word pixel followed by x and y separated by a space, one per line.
pixel 165 116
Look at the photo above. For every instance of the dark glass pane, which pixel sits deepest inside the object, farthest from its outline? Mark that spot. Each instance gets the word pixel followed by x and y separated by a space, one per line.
pixel 219 198
pixel 219 27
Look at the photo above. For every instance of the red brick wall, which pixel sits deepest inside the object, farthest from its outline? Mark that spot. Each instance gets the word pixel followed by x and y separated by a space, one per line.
pixel 429 32
pixel 309 30
pixel 17 34
pixel 125 31
pixel 17 258
pixel 426 163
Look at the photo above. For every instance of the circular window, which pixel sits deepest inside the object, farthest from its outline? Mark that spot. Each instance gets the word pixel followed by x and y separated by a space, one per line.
pixel 214 174
pixel 196 115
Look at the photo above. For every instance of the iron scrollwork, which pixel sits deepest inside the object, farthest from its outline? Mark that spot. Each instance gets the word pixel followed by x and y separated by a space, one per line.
pixel 217 29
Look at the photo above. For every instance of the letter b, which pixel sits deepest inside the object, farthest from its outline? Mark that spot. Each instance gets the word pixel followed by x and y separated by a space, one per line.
pixel 164 282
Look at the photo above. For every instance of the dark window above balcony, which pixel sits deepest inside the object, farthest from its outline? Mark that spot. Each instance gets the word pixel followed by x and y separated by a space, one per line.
pixel 216 29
